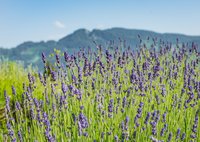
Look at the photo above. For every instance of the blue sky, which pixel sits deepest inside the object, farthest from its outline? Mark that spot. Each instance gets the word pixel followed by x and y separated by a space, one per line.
pixel 36 20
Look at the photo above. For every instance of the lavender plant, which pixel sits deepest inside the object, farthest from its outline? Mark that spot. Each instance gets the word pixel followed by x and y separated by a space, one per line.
pixel 148 94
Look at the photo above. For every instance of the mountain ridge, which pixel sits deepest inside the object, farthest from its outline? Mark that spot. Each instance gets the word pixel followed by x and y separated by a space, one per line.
pixel 30 52
pixel 115 28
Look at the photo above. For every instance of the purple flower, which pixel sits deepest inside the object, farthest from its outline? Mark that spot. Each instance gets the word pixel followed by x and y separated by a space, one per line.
pixel 32 114
pixel 147 118
pixel 193 136
pixel 13 90
pixel 74 79
pixel 62 101
pixel 127 119
pixel 155 140
pixel 20 136
pixel 183 136
pixel 178 133
pixel 71 88
pixel 124 102
pixel 48 136
pixel 79 128
pixel 136 121
pixel 116 138
pixel 78 93
pixel 85 134
pixel 17 105
pixel 145 65
pixel 67 57
pixel 57 59
pixel 80 75
pixel 154 131
pixel 8 125
pixel 169 137
pixel 43 58
pixel 83 121
pixel 7 102
pixel 10 131
pixel 164 117
pixel 195 125
pixel 14 140
pixel 30 78
pixel 102 135
pixel 163 130
pixel 141 104
pixel 52 89
pixel 54 75
pixel 81 107
pixel 163 91
pixel 64 88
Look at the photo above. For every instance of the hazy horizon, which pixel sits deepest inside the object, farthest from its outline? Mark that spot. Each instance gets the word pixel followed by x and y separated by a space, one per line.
pixel 42 40
pixel 51 20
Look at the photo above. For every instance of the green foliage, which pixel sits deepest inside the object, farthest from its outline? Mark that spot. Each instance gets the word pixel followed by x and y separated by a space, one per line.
pixel 11 74
pixel 15 74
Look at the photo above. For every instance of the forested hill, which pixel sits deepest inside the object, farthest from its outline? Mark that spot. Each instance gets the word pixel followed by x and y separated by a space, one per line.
pixel 30 52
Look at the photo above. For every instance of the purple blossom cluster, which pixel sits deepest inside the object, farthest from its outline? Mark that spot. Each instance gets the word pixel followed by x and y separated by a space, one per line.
pixel 120 94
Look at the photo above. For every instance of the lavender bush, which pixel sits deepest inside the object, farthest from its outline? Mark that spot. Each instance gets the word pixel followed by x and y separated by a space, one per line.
pixel 149 94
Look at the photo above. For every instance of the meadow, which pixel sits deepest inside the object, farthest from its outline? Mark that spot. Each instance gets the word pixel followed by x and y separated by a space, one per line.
pixel 113 94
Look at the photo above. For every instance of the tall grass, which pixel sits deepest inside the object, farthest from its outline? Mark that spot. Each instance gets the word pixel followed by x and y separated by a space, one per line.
pixel 13 78
pixel 11 74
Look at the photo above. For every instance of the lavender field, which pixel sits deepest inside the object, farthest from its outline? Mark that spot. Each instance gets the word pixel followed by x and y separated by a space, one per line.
pixel 149 94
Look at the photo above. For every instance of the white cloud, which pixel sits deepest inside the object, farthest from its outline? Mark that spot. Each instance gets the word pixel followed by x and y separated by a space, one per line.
pixel 100 26
pixel 59 24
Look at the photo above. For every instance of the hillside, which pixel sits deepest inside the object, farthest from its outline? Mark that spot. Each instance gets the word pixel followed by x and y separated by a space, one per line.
pixel 30 52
